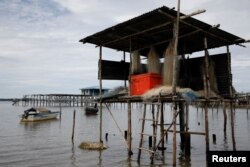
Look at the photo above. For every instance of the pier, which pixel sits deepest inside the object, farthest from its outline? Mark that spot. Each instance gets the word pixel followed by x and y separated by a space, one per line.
pixel 55 100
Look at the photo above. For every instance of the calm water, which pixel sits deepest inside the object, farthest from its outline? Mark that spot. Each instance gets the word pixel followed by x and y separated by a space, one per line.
pixel 49 143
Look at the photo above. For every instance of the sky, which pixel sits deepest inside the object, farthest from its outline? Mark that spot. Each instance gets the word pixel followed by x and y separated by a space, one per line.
pixel 40 52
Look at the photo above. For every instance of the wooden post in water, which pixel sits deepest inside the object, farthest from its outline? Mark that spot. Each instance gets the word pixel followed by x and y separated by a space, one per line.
pixel 162 128
pixel 182 125
pixel 174 81
pixel 232 126
pixel 225 117
pixel 73 129
pixel 100 91
pixel 60 104
pixel 231 100
pixel 129 130
pixel 207 93
pixel 124 59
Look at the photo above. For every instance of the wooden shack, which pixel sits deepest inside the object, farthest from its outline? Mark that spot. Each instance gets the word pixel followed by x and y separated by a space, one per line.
pixel 158 28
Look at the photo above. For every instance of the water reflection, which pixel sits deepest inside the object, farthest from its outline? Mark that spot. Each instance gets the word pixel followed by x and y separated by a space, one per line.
pixel 49 143
pixel 73 157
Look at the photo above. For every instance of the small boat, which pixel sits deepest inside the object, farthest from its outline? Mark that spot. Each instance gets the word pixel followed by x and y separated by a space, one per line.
pixel 38 114
pixel 91 110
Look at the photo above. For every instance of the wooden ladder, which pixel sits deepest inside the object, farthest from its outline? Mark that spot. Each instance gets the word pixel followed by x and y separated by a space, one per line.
pixel 154 120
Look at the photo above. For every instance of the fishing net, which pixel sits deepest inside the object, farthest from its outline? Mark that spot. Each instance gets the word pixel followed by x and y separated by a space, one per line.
pixel 136 63
pixel 153 61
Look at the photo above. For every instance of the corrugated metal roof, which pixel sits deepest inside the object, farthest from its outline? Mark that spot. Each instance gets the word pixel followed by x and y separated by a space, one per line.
pixel 155 29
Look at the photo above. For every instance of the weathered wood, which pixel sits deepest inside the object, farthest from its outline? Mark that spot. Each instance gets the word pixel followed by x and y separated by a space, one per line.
pixel 182 123
pixel 100 92
pixel 153 28
pixel 129 130
pixel 125 78
pixel 232 126
pixel 141 148
pixel 207 92
pixel 197 28
pixel 193 133
pixel 142 131
pixel 162 128
pixel 225 117
pixel 73 128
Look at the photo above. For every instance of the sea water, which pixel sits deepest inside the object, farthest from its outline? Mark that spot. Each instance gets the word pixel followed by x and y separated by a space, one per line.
pixel 49 143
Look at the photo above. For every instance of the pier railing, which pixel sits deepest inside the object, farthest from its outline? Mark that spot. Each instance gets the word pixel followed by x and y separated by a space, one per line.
pixel 50 100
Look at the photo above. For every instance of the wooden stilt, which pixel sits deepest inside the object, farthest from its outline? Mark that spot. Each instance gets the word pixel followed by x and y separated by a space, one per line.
pixel 176 38
pixel 129 130
pixel 182 125
pixel 225 117
pixel 73 129
pixel 162 127
pixel 207 93
pixel 174 133
pixel 232 126
pixel 100 92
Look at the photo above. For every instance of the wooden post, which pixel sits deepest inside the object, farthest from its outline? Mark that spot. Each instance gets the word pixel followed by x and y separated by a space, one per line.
pixel 174 134
pixel 229 69
pixel 225 117
pixel 73 129
pixel 124 59
pixel 207 93
pixel 142 131
pixel 174 81
pixel 154 125
pixel 100 91
pixel 232 126
pixel 182 125
pixel 231 102
pixel 129 130
pixel 187 137
pixel 162 128
pixel 125 134
pixel 60 107
pixel 150 141
pixel 214 138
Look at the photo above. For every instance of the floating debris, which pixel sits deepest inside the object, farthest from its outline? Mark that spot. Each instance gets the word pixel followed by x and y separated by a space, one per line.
pixel 92 146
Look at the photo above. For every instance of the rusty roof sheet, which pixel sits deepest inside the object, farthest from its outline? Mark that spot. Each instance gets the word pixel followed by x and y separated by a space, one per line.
pixel 155 29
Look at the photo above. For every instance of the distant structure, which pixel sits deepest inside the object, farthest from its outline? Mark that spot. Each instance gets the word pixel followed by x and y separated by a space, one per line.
pixel 93 91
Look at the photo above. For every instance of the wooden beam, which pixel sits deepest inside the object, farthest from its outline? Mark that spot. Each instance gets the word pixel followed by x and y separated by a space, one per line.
pixel 193 133
pixel 206 32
